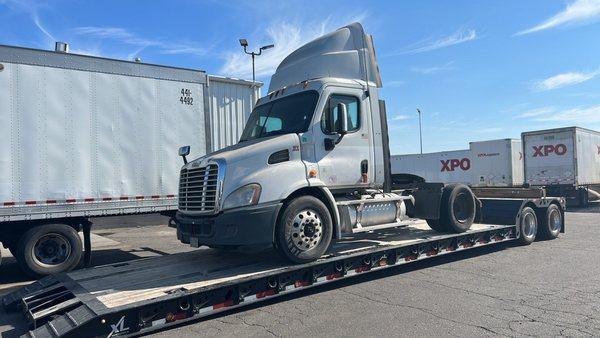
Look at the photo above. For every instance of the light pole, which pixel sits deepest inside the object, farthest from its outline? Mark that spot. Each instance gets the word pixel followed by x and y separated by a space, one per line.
pixel 244 43
pixel 420 131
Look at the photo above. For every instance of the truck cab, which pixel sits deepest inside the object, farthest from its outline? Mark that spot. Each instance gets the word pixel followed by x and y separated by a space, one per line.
pixel 312 163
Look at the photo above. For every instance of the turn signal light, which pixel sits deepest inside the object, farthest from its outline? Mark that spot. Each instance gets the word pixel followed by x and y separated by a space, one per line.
pixel 312 173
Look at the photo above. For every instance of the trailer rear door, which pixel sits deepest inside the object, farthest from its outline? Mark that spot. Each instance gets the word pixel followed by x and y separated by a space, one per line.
pixel 549 157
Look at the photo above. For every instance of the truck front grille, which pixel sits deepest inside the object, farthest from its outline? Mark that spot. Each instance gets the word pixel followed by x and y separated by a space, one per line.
pixel 198 189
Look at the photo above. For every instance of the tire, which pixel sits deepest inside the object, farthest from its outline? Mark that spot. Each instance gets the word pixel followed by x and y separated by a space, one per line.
pixel 551 223
pixel 304 230
pixel 49 249
pixel 457 210
pixel 528 225
pixel 584 198
pixel 436 225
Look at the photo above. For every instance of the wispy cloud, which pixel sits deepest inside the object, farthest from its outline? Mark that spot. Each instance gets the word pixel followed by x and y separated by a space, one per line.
pixel 433 69
pixel 400 117
pixel 537 112
pixel 488 130
pixel 577 12
pixel 40 26
pixel 31 9
pixel 287 36
pixel 583 115
pixel 461 36
pixel 394 83
pixel 123 36
pixel 564 80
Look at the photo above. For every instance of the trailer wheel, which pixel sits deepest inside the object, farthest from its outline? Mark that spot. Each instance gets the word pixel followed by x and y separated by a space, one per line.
pixel 304 230
pixel 49 249
pixel 528 225
pixel 457 211
pixel 552 222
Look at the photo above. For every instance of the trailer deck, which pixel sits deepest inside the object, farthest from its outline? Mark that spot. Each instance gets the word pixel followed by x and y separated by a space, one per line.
pixel 148 294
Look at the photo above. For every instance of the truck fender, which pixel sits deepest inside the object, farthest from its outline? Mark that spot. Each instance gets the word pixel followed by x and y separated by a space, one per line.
pixel 325 195
pixel 337 229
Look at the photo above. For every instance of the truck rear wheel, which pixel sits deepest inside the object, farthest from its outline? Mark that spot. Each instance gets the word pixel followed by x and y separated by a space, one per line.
pixel 528 225
pixel 49 249
pixel 552 222
pixel 304 230
pixel 436 225
pixel 457 209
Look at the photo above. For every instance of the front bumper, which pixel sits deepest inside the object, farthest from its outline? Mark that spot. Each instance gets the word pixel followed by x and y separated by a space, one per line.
pixel 243 226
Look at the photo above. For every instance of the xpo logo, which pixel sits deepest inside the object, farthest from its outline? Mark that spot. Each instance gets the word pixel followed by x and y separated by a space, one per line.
pixel 451 165
pixel 545 150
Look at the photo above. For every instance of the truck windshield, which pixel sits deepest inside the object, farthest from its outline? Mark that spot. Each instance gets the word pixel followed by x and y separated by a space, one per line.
pixel 291 114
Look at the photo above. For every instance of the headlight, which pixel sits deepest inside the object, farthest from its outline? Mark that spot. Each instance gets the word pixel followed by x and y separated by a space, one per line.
pixel 246 195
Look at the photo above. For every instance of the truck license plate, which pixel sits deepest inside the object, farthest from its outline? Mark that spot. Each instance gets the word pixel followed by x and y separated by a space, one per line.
pixel 194 242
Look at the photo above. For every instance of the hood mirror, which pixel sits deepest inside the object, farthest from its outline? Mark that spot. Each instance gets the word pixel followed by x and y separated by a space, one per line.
pixel 183 152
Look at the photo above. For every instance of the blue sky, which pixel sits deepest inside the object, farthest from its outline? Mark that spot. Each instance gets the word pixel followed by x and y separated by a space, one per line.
pixel 477 69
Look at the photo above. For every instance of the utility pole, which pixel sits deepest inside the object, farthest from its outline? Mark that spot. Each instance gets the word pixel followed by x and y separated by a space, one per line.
pixel 420 131
pixel 244 43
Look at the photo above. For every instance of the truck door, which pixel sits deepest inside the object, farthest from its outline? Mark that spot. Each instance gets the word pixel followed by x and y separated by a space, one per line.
pixel 343 166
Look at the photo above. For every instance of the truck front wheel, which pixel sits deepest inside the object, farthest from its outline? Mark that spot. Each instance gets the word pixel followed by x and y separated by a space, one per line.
pixel 49 249
pixel 304 230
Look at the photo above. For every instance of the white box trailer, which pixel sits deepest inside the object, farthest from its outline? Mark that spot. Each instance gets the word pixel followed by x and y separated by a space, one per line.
pixel 445 166
pixel 88 136
pixel 564 160
pixel 494 163
pixel 497 163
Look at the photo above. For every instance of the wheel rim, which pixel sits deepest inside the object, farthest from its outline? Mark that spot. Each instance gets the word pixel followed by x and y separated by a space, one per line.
pixel 555 220
pixel 307 230
pixel 462 207
pixel 51 250
pixel 529 227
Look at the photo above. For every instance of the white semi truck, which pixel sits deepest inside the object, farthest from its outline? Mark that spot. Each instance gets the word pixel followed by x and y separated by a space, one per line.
pixel 89 137
pixel 312 165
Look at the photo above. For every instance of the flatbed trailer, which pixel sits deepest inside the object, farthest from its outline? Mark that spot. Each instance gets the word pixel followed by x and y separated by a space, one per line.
pixel 139 296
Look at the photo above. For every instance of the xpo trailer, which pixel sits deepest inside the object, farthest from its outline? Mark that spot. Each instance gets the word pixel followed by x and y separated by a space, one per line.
pixel 87 137
pixel 497 163
pixel 566 161
pixel 494 163
pixel 312 165
pixel 444 166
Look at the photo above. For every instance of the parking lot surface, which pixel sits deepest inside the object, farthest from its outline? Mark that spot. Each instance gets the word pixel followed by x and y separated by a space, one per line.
pixel 546 289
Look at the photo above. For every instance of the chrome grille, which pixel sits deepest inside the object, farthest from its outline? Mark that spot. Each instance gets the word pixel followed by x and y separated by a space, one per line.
pixel 198 189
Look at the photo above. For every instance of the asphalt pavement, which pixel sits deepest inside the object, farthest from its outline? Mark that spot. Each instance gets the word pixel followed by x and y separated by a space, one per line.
pixel 550 288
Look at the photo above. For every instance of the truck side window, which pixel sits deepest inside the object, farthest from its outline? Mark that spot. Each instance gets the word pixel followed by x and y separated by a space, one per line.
pixel 351 103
